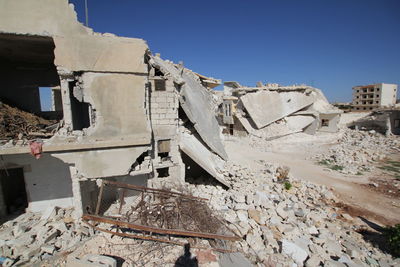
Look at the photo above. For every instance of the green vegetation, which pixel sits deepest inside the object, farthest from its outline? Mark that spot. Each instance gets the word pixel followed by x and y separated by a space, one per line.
pixel 359 173
pixel 392 233
pixel 329 163
pixel 325 162
pixel 336 167
pixel 393 167
pixel 287 185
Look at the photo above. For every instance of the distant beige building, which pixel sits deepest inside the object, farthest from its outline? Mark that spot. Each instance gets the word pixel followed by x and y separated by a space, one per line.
pixel 369 97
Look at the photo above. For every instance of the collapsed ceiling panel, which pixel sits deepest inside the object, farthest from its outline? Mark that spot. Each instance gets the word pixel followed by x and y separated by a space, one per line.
pixel 210 162
pixel 265 107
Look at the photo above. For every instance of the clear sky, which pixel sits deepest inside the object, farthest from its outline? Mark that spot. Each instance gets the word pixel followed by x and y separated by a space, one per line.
pixel 330 44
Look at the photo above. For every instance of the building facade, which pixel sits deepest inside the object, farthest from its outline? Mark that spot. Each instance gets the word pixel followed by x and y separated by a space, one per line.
pixel 369 97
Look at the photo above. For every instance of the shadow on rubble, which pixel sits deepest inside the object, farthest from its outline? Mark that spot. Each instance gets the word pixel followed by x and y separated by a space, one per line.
pixel 186 260
pixel 376 236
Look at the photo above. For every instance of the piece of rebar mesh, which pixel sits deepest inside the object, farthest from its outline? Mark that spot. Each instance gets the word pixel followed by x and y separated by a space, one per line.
pixel 160 209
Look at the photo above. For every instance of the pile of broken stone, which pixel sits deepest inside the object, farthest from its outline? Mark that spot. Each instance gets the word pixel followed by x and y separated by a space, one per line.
pixel 34 237
pixel 294 227
pixel 357 150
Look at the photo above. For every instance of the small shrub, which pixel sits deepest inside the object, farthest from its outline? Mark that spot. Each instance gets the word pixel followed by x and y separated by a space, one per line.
pixel 389 168
pixel 359 173
pixel 287 185
pixel 392 233
pixel 336 167
pixel 325 162
pixel 394 163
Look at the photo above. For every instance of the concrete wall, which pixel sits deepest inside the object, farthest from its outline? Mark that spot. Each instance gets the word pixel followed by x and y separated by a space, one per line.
pixel 332 124
pixel 388 94
pixel 39 17
pixel 395 122
pixel 47 180
pixel 119 103
pixel 103 163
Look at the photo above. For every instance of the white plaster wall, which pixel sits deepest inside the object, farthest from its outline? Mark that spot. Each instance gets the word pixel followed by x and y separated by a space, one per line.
pixel 103 163
pixel 39 17
pixel 47 180
pixel 388 94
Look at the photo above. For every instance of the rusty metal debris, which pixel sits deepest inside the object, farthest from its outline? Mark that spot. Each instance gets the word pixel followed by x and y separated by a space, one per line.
pixel 158 215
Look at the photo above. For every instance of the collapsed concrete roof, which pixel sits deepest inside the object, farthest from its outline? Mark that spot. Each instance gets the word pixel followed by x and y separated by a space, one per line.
pixel 210 162
pixel 209 82
pixel 265 107
pixel 196 103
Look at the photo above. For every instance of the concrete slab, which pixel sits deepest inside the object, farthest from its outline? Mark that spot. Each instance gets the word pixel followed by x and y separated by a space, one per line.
pixel 103 163
pixel 100 53
pixel 265 107
pixel 291 125
pixel 247 125
pixel 210 162
pixel 40 17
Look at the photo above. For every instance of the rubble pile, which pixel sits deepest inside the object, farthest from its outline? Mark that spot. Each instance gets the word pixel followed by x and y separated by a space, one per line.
pixel 34 237
pixel 356 150
pixel 16 123
pixel 288 225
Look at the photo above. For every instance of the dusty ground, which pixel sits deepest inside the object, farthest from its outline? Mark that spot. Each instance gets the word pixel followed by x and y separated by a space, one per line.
pixel 379 204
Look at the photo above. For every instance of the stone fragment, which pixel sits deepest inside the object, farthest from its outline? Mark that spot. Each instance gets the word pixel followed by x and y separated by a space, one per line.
pixel 313 261
pixel 333 247
pixel 298 254
pixel 281 212
pixel 235 259
pixel 19 229
pixel 313 230
pixel 29 252
pixel 48 213
pixel 49 249
pixel 242 215
pixel 347 216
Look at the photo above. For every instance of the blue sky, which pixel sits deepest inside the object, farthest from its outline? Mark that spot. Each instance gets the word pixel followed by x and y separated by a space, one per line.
pixel 330 44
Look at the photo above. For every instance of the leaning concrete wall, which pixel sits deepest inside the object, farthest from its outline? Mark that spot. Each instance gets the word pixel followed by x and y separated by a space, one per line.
pixel 47 180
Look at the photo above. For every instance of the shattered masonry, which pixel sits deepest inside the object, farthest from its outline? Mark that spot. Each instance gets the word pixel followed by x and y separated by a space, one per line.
pixel 271 110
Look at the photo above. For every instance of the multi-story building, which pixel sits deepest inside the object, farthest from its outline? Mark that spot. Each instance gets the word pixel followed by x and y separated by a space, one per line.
pixel 118 112
pixel 369 97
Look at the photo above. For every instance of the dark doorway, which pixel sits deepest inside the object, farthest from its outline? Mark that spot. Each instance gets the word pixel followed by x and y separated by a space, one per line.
pixel 13 190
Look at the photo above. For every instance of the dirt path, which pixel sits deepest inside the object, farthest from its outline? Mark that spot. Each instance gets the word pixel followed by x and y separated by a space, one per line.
pixel 361 200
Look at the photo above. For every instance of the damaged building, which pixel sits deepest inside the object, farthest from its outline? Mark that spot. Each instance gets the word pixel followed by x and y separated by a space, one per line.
pixel 118 112
pixel 271 111
pixel 384 121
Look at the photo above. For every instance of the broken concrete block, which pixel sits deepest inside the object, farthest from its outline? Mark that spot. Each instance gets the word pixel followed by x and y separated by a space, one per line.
pixel 50 235
pixel 298 254
pixel 48 213
pixel 234 260
pixel 19 230
pixel 29 252
pixel 49 249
